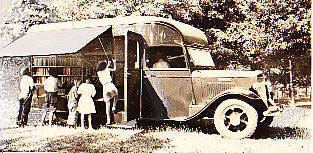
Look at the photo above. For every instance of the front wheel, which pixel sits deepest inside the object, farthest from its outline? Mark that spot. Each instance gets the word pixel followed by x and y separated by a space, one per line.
pixel 236 119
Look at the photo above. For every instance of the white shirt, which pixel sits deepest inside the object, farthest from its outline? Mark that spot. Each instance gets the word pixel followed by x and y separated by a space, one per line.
pixel 51 84
pixel 26 83
pixel 73 95
pixel 105 76
pixel 161 64
pixel 87 90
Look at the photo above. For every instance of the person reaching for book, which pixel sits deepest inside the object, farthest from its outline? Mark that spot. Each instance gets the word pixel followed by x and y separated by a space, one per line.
pixel 109 89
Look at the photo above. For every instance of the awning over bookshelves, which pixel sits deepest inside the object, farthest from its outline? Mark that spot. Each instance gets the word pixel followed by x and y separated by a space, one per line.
pixel 52 42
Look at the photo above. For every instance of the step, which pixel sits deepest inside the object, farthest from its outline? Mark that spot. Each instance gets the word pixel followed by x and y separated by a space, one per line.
pixel 125 125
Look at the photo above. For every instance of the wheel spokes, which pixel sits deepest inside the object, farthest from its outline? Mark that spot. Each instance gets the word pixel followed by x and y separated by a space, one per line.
pixel 235 119
pixel 245 122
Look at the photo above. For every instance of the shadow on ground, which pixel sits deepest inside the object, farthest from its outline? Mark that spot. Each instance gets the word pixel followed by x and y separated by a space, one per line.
pixel 105 143
pixel 203 126
pixel 207 127
pixel 95 142
pixel 282 133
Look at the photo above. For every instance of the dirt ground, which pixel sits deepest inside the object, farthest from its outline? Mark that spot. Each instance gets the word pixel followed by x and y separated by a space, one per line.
pixel 290 132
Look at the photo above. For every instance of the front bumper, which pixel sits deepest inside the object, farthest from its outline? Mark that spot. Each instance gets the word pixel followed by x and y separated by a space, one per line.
pixel 273 111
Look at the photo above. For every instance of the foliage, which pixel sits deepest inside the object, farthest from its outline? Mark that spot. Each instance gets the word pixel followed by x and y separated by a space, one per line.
pixel 24 14
pixel 259 34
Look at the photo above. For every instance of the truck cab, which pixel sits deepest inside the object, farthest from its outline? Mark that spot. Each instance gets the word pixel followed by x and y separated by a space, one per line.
pixel 176 81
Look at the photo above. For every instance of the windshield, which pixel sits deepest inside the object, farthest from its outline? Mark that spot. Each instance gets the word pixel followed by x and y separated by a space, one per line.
pixel 154 34
pixel 200 57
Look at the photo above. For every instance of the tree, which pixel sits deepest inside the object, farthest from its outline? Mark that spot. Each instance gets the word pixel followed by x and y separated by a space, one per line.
pixel 258 34
pixel 23 15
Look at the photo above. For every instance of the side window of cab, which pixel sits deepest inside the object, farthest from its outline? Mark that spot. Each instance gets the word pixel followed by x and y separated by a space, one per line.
pixel 165 57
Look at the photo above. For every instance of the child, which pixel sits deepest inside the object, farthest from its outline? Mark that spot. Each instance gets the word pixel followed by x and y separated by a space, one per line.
pixel 86 105
pixel 51 86
pixel 109 89
pixel 72 104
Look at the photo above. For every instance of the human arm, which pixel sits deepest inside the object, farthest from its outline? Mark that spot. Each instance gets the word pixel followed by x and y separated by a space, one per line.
pixel 31 83
pixel 113 65
pixel 93 92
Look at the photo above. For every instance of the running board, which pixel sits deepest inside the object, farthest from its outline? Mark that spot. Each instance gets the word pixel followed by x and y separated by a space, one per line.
pixel 125 125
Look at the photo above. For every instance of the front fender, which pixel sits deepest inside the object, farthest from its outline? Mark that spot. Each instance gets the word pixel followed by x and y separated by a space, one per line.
pixel 237 93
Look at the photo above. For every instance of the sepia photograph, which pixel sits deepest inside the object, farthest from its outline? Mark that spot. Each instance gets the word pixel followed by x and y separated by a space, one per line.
pixel 207 76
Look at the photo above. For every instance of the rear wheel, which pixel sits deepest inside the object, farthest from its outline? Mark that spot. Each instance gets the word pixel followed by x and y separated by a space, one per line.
pixel 235 118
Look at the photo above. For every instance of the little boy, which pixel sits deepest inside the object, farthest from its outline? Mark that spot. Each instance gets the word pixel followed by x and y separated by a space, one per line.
pixel 51 86
pixel 72 104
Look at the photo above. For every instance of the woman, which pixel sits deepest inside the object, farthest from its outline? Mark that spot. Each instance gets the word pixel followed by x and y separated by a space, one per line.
pixel 109 89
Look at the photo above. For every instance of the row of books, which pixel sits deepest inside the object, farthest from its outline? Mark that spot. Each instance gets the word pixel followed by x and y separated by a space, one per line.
pixel 42 71
pixel 90 71
pixel 65 71
pixel 72 71
pixel 69 80
pixel 44 61
pixel 68 61
pixel 53 61
pixel 64 80
pixel 40 80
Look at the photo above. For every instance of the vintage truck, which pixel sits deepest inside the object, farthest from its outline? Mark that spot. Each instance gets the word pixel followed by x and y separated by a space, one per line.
pixel 184 87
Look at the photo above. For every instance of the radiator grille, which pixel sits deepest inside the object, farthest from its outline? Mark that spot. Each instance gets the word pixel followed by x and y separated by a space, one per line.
pixel 211 89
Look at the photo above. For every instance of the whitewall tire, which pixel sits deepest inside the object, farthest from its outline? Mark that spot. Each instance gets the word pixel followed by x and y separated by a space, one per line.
pixel 235 119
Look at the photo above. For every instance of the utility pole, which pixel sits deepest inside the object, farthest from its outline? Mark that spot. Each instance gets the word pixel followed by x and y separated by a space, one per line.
pixel 292 98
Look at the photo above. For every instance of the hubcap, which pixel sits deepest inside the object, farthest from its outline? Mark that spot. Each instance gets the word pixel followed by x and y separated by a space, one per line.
pixel 235 118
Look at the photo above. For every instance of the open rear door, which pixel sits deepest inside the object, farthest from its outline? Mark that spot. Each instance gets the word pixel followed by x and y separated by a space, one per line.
pixel 134 46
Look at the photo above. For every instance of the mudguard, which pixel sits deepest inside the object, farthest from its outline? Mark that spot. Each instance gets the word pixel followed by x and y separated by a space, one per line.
pixel 237 93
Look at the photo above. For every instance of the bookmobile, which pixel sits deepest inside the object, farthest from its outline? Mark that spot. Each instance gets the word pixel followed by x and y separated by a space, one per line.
pixel 188 90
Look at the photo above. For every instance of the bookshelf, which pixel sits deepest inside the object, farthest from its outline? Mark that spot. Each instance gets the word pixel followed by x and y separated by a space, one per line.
pixel 69 67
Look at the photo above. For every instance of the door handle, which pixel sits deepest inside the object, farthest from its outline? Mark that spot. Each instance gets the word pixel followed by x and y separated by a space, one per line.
pixel 151 76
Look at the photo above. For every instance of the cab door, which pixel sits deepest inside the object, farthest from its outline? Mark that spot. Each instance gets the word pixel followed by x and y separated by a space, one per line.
pixel 167 90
